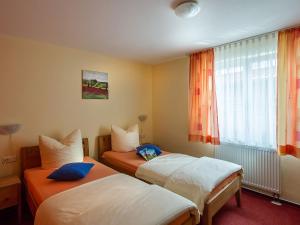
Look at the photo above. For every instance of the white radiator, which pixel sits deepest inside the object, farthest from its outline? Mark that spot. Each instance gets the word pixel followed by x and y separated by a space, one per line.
pixel 261 166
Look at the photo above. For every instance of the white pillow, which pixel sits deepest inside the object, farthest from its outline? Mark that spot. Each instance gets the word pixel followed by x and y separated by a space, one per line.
pixel 124 140
pixel 55 154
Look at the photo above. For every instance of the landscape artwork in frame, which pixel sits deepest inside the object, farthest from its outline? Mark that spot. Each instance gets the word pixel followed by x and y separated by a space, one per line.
pixel 94 85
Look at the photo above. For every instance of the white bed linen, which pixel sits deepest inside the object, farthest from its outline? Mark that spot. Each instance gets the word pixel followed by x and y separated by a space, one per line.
pixel 191 177
pixel 114 200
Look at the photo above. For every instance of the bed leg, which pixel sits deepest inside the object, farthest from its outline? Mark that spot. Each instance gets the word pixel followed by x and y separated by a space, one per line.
pixel 238 198
pixel 206 218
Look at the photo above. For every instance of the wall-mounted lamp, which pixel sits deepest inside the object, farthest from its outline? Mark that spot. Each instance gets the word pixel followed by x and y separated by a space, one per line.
pixel 142 118
pixel 9 129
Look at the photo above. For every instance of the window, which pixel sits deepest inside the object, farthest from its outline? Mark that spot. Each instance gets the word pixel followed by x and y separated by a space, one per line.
pixel 246 91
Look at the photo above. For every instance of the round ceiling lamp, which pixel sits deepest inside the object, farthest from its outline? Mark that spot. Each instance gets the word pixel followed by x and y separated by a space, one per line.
pixel 187 9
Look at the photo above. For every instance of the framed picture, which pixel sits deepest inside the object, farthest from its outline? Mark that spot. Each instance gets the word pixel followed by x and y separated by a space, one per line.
pixel 94 85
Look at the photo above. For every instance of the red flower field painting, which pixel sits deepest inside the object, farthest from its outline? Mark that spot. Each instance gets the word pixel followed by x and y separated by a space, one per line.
pixel 94 85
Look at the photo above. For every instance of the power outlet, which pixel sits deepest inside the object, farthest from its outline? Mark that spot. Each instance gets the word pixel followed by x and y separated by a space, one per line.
pixel 9 159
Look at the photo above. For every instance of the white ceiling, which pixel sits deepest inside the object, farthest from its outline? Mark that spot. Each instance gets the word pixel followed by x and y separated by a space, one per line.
pixel 143 30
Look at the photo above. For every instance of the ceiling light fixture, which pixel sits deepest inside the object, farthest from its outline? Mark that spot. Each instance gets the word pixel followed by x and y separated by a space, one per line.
pixel 187 9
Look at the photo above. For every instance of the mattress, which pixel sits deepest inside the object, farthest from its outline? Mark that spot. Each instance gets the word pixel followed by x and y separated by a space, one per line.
pixel 41 188
pixel 130 161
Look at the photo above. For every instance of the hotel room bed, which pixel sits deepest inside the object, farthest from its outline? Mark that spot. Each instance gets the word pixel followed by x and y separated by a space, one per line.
pixel 41 188
pixel 38 188
pixel 129 162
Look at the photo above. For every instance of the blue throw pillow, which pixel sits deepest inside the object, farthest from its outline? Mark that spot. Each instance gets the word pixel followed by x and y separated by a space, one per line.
pixel 150 146
pixel 148 151
pixel 71 171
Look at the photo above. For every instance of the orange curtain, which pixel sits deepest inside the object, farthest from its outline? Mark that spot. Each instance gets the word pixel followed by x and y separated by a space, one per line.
pixel 288 113
pixel 203 114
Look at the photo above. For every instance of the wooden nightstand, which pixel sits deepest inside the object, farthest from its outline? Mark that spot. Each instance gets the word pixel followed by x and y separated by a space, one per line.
pixel 10 193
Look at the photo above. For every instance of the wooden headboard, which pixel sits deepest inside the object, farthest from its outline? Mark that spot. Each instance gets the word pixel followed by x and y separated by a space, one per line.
pixel 104 144
pixel 30 156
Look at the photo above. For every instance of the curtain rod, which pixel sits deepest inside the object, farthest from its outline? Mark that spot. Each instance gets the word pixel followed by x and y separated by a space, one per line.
pixel 243 39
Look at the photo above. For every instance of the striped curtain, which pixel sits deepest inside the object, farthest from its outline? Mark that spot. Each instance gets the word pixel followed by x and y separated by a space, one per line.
pixel 203 117
pixel 288 118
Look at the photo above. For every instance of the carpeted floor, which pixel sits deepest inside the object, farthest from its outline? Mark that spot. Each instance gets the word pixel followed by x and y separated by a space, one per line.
pixel 256 210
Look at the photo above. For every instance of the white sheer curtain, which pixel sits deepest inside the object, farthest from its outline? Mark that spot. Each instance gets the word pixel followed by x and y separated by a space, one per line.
pixel 246 91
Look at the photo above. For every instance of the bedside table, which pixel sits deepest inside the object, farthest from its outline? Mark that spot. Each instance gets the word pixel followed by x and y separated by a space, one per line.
pixel 10 193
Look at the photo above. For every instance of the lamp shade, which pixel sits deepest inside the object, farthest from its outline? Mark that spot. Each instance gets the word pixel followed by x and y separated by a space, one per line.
pixel 9 129
pixel 142 118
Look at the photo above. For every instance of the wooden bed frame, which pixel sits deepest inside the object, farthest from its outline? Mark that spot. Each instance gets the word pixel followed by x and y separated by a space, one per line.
pixel 30 158
pixel 212 206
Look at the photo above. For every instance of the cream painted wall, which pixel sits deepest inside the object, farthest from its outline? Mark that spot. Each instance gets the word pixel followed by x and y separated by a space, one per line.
pixel 40 87
pixel 170 122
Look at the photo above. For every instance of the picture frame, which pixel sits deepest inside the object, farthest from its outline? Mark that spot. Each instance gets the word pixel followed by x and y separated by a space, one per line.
pixel 94 85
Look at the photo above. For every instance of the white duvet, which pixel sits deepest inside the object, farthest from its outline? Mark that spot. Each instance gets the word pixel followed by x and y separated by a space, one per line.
pixel 114 200
pixel 191 177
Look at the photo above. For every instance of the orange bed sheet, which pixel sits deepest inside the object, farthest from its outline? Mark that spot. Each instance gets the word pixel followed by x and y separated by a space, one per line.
pixel 41 188
pixel 126 161
pixel 130 161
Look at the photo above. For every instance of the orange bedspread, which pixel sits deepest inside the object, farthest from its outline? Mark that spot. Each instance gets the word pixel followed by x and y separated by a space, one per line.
pixel 129 162
pixel 41 188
